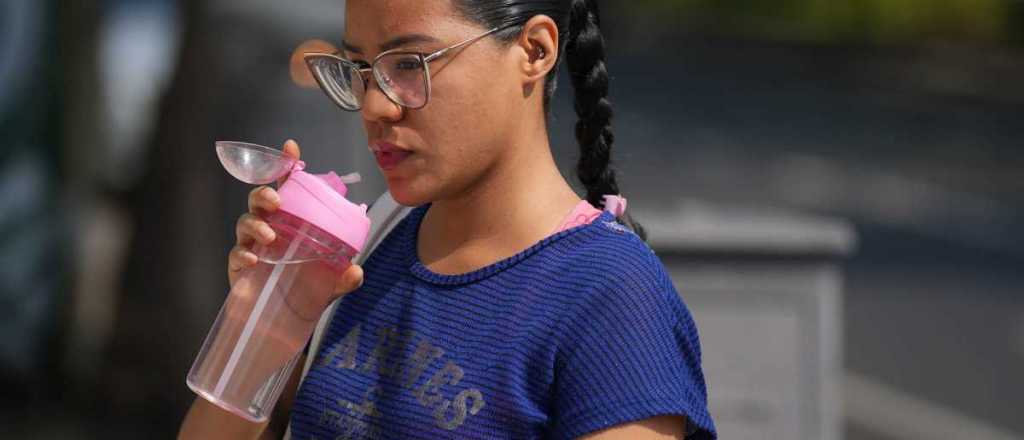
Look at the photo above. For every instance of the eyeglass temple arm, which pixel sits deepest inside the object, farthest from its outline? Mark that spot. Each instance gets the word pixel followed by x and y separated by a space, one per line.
pixel 441 52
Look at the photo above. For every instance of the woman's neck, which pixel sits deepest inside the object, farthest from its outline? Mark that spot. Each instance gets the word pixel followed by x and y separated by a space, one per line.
pixel 517 204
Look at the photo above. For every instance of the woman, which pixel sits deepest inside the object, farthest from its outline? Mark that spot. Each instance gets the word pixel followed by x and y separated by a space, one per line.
pixel 503 306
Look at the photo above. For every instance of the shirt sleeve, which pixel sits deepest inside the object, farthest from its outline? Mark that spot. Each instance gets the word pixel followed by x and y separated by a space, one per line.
pixel 627 353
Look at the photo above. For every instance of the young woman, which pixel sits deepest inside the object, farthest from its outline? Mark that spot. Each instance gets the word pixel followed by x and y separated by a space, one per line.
pixel 503 305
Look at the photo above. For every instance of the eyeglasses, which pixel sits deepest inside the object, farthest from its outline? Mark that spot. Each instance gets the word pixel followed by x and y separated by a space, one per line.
pixel 403 76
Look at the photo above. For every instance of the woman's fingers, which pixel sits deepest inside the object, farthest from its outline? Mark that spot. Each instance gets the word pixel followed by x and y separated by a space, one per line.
pixel 252 229
pixel 264 199
pixel 291 148
pixel 239 258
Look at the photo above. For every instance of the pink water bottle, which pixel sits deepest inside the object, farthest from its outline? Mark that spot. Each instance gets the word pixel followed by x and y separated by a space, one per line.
pixel 274 306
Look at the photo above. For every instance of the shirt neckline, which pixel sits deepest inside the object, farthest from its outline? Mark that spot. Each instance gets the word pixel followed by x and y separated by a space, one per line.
pixel 421 271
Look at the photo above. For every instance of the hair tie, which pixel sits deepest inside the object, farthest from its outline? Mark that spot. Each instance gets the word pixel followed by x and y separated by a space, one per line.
pixel 615 204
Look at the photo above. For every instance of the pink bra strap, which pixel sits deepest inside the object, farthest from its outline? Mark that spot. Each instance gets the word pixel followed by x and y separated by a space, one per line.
pixel 585 213
pixel 615 204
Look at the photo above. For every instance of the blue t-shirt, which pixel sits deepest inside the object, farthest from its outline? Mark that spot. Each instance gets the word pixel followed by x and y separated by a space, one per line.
pixel 582 331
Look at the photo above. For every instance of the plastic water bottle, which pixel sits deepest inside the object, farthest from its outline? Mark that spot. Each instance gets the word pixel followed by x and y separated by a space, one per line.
pixel 274 306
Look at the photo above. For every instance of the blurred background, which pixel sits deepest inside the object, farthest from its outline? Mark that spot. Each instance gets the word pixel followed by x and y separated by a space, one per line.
pixel 886 135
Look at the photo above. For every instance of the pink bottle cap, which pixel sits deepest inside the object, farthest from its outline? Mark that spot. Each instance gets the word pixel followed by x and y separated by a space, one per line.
pixel 320 200
pixel 316 198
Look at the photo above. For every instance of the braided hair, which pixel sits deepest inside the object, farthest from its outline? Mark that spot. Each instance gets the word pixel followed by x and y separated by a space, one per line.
pixel 582 48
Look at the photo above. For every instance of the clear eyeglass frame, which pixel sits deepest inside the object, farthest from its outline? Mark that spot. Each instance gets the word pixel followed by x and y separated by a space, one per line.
pixel 336 75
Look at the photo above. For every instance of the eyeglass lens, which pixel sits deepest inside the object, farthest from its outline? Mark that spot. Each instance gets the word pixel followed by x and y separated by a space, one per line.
pixel 402 77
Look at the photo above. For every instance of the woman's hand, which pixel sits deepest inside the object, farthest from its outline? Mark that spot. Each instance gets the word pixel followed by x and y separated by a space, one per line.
pixel 206 420
pixel 251 230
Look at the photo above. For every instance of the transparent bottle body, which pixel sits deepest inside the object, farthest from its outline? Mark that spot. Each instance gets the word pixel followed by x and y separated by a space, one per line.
pixel 267 319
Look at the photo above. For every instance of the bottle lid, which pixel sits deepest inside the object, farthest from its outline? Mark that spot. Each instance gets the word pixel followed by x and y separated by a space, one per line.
pixel 254 164
pixel 316 198
pixel 320 200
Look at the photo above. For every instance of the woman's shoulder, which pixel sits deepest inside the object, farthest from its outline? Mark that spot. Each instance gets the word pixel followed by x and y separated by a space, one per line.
pixel 628 337
pixel 611 251
pixel 612 267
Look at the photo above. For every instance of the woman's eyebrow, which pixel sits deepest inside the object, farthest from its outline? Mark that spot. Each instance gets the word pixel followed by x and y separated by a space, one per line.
pixel 350 48
pixel 394 43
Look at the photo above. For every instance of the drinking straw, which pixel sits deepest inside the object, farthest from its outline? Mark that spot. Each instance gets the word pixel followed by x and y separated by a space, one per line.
pixel 261 303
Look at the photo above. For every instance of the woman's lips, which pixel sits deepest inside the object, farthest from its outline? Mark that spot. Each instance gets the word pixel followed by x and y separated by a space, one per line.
pixel 388 155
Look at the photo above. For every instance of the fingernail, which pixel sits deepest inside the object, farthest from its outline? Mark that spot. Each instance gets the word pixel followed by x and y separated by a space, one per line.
pixel 267 232
pixel 272 196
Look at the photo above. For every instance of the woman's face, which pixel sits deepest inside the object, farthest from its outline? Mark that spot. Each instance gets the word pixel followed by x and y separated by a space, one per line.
pixel 443 149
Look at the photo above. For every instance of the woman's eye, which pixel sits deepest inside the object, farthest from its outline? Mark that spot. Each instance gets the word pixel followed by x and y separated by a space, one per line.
pixel 409 64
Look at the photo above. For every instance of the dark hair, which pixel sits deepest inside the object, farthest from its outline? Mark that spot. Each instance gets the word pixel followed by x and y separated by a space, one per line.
pixel 582 48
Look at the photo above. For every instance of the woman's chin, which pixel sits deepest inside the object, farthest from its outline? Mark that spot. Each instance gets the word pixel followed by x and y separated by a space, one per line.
pixel 405 193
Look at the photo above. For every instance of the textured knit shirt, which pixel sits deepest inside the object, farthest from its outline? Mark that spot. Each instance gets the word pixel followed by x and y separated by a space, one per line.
pixel 579 332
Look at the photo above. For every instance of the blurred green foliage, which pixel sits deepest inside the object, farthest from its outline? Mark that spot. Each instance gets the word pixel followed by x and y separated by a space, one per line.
pixel 867 21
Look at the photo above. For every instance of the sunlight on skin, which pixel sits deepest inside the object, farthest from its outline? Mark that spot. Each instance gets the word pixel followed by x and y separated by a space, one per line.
pixel 655 428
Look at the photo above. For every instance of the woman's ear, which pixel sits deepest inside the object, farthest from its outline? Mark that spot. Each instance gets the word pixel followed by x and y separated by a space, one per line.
pixel 539 44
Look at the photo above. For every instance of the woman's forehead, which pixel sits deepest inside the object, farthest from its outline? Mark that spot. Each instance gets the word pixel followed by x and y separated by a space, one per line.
pixel 392 16
pixel 373 26
pixel 369 24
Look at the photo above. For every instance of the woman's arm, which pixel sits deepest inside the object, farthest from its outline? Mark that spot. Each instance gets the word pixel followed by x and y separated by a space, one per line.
pixel 206 420
pixel 654 428
pixel 283 411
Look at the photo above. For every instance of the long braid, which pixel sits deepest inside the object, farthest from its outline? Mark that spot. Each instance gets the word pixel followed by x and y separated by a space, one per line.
pixel 585 58
pixel 584 51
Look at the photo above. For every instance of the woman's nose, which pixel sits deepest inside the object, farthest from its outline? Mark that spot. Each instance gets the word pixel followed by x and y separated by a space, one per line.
pixel 378 107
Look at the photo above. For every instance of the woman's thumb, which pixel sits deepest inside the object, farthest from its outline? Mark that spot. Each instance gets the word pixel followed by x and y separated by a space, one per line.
pixel 291 148
pixel 351 279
